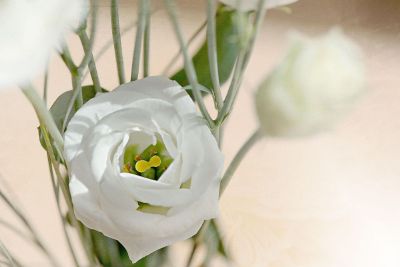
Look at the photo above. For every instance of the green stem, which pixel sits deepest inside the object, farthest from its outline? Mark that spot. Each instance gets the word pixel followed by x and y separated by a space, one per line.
pixel 56 190
pixel 241 65
pixel 143 9
pixel 254 138
pixel 63 183
pixel 175 58
pixel 76 96
pixel 212 53
pixel 44 115
pixel 117 41
pixel 7 254
pixel 36 238
pixel 92 65
pixel 189 67
pixel 45 86
pixel 89 42
pixel 146 46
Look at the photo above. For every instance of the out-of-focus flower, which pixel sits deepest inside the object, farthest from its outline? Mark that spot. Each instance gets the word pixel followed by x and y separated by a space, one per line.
pixel 314 86
pixel 247 5
pixel 30 30
pixel 144 167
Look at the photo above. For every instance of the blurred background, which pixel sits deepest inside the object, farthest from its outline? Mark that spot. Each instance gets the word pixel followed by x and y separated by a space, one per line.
pixel 326 201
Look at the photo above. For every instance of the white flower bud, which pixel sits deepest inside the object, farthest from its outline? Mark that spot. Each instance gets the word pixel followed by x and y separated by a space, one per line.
pixel 247 5
pixel 313 87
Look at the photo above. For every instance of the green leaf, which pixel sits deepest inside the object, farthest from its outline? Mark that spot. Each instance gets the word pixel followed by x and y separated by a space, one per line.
pixel 228 47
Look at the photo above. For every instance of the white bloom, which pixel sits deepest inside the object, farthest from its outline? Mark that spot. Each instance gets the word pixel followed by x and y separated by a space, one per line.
pixel 313 87
pixel 29 31
pixel 104 144
pixel 247 5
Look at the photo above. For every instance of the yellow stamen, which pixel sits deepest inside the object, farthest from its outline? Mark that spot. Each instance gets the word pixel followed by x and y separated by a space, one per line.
pixel 143 165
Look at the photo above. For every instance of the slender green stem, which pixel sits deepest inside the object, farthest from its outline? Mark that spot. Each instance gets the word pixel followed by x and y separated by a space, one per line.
pixel 175 58
pixel 45 86
pixel 212 53
pixel 241 65
pixel 36 238
pixel 143 9
pixel 56 189
pixel 92 64
pixel 197 242
pixel 117 41
pixel 67 196
pixel 89 44
pixel 146 45
pixel 44 115
pixel 76 96
pixel 67 58
pixel 254 138
pixel 7 254
pixel 189 67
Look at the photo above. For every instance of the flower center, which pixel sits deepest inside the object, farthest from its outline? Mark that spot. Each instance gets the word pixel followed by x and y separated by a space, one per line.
pixel 150 163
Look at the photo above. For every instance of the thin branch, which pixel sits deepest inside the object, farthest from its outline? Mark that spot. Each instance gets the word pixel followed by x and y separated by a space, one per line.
pixel 4 251
pixel 20 215
pixel 92 64
pixel 241 65
pixel 44 115
pixel 190 41
pixel 189 67
pixel 117 41
pixel 253 139
pixel 146 45
pixel 56 190
pixel 212 53
pixel 76 92
pixel 142 10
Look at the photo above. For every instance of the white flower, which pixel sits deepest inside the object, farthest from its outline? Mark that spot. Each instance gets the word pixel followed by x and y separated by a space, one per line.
pixel 29 31
pixel 247 5
pixel 117 147
pixel 314 86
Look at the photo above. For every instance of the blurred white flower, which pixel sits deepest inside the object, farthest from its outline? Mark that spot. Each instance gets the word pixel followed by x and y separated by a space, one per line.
pixel 29 31
pixel 144 167
pixel 247 5
pixel 314 86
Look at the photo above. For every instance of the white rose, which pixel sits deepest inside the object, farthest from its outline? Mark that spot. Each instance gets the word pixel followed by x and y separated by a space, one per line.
pixel 247 5
pixel 314 86
pixel 29 31
pixel 104 146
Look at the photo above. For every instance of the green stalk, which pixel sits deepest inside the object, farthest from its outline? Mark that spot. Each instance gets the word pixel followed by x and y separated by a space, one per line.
pixel 142 13
pixel 117 41
pixel 36 238
pixel 86 243
pixel 4 251
pixel 75 98
pixel 254 138
pixel 146 46
pixel 189 67
pixel 175 58
pixel 212 53
pixel 241 65
pixel 56 189
pixel 44 115
pixel 92 64
pixel 88 47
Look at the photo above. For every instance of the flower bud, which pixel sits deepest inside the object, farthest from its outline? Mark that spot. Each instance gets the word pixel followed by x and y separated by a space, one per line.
pixel 313 87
